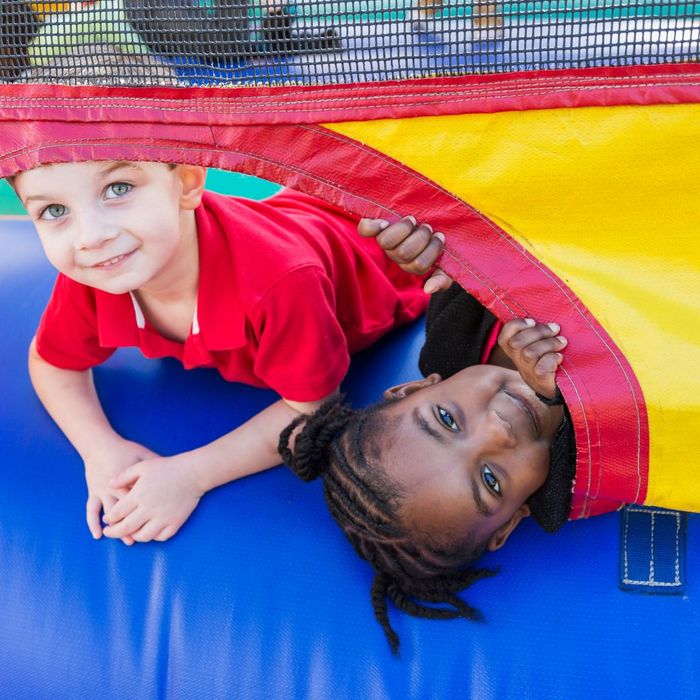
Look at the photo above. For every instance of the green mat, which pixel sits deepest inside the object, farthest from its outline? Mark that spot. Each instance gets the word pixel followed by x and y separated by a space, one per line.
pixel 217 180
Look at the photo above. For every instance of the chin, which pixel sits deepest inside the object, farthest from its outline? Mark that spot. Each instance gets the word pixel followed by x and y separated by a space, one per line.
pixel 111 286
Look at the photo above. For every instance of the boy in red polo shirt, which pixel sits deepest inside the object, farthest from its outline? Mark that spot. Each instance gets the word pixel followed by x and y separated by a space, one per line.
pixel 147 258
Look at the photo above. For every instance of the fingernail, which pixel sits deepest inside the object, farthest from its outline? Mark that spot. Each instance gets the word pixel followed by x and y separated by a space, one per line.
pixel 430 286
pixel 554 327
pixel 529 321
pixel 440 236
pixel 412 219
pixel 382 224
pixel 562 340
pixel 429 227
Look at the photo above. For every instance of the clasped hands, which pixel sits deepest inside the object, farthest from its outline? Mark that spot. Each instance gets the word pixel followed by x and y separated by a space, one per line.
pixel 141 495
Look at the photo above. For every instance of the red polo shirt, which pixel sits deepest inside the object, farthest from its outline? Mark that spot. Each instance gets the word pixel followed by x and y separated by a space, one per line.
pixel 287 290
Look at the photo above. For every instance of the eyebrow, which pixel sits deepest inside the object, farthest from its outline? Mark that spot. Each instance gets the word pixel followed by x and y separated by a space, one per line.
pixel 423 424
pixel 480 504
pixel 118 166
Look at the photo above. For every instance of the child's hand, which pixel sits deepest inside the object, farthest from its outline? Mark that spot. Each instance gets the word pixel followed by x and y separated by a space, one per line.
pixel 100 471
pixel 535 349
pixel 415 248
pixel 162 494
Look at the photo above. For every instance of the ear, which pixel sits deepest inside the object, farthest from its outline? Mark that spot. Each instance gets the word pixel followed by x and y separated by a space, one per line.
pixel 498 539
pixel 400 391
pixel 192 178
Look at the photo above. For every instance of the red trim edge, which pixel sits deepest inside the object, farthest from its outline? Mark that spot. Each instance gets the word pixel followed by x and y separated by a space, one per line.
pixel 584 87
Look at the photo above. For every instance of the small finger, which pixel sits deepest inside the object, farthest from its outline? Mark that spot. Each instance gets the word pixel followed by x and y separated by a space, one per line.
pixel 107 504
pixel 126 478
pixel 548 364
pixel 426 260
pixel 119 510
pixel 166 533
pixel 395 234
pixel 439 281
pixel 513 327
pixel 369 228
pixel 412 246
pixel 93 508
pixel 533 334
pixel 149 531
pixel 534 351
pixel 127 526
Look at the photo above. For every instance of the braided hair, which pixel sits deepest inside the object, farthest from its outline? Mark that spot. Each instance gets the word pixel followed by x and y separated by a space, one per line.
pixel 336 443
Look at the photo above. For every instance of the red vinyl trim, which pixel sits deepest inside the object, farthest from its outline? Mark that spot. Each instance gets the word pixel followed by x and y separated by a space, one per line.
pixel 587 87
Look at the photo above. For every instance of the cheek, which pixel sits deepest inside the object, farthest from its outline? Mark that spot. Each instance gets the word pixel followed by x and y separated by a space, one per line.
pixel 161 232
pixel 440 508
pixel 533 470
pixel 59 254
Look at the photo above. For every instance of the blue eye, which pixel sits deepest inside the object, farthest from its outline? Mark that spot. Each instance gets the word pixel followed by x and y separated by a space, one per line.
pixel 53 211
pixel 490 480
pixel 447 420
pixel 118 189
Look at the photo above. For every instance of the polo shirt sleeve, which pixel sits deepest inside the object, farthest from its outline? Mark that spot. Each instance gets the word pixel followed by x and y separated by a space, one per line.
pixel 67 336
pixel 302 352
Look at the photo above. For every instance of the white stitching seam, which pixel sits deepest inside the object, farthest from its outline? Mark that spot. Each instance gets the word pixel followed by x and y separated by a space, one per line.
pixel 205 105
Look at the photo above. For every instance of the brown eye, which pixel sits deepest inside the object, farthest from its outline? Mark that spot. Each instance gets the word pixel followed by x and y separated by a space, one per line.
pixel 447 420
pixel 490 480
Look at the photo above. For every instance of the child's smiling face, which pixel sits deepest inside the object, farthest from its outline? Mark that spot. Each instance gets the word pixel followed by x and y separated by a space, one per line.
pixel 115 226
pixel 468 452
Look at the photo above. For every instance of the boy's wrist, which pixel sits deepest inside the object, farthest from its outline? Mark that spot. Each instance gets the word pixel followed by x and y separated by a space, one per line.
pixel 97 443
pixel 200 469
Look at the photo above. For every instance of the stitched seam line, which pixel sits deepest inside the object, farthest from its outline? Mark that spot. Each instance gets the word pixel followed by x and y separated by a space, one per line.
pixel 129 103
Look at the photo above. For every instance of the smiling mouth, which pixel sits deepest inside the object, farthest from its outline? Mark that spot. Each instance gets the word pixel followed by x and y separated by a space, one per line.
pixel 528 410
pixel 112 262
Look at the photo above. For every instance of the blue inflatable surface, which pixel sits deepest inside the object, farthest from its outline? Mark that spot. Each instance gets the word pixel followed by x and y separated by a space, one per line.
pixel 261 596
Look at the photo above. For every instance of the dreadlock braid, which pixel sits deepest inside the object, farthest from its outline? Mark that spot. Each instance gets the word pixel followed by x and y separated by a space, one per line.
pixel 339 444
pixel 379 593
pixel 309 457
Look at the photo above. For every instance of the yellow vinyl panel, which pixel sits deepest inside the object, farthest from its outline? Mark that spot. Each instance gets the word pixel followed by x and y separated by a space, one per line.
pixel 608 198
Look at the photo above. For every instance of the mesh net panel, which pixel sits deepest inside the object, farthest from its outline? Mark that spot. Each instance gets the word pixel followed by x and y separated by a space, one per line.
pixel 234 42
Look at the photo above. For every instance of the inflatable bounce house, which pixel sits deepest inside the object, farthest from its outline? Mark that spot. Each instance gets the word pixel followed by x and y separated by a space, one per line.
pixel 556 145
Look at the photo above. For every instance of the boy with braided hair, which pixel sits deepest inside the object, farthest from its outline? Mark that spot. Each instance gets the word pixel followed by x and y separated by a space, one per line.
pixel 444 468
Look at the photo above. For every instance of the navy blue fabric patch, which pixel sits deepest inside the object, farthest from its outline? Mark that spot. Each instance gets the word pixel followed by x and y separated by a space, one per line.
pixel 652 550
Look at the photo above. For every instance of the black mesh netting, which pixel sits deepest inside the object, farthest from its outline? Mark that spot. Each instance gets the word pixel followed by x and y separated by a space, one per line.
pixel 219 42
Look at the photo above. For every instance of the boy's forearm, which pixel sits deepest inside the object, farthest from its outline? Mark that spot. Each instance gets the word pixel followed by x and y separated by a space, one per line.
pixel 71 400
pixel 250 448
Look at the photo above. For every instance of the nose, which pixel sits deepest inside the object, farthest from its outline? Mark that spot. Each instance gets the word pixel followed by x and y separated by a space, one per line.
pixel 500 431
pixel 94 229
